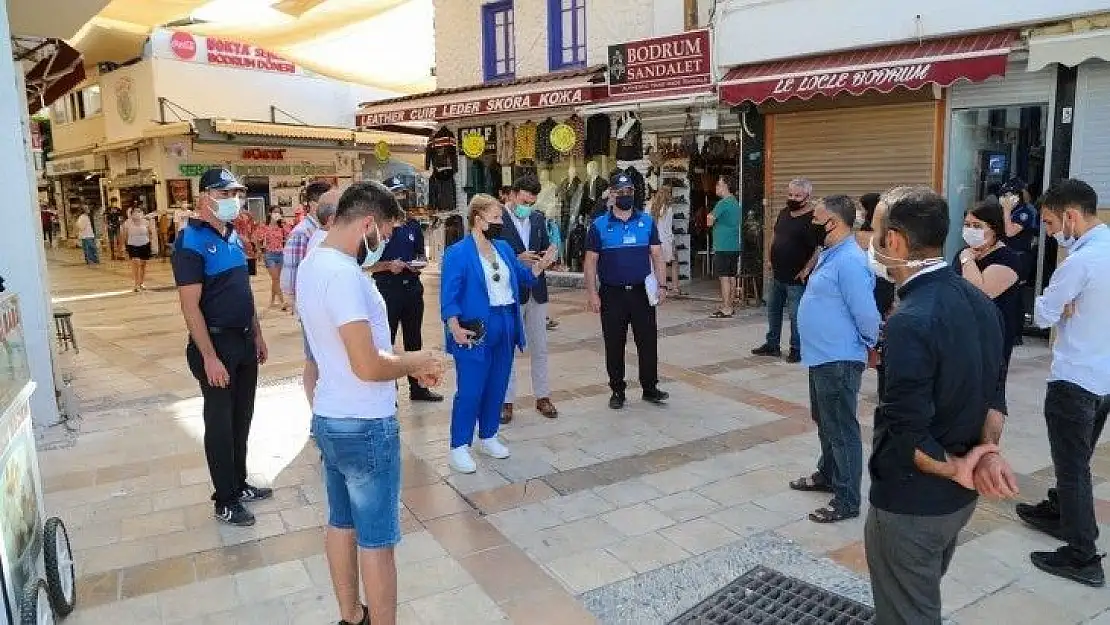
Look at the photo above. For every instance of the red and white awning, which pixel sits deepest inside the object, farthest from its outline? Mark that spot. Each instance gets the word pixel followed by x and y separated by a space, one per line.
pixel 910 65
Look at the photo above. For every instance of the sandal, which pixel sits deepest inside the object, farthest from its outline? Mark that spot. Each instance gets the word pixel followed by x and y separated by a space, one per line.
pixel 831 514
pixel 365 618
pixel 813 484
pixel 720 314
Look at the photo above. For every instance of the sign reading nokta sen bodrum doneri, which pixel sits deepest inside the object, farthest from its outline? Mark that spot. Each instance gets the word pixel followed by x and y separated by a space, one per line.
pixel 652 66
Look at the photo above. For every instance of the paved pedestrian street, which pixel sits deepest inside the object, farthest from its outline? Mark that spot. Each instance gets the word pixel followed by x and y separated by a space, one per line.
pixel 598 516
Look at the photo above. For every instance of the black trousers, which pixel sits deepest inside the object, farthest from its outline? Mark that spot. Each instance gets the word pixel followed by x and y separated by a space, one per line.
pixel 227 411
pixel 1075 418
pixel 621 307
pixel 404 301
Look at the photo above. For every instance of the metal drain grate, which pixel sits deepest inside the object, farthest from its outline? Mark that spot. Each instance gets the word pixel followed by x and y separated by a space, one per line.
pixel 763 596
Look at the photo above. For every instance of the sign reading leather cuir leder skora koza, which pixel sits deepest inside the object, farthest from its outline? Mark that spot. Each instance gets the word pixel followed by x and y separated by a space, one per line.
pixel 470 107
pixel 671 65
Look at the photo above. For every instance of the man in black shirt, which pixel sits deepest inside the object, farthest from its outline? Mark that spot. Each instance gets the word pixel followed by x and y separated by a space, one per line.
pixel 793 253
pixel 939 423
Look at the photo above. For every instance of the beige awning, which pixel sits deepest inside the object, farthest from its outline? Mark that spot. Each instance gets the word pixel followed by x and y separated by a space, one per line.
pixel 168 130
pixel 289 131
pixel 387 44
pixel 1070 49
pixel 112 146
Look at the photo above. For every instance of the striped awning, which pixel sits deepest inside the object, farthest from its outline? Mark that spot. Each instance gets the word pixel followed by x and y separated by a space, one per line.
pixel 909 65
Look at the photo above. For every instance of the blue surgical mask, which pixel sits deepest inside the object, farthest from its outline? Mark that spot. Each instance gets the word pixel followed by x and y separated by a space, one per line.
pixel 1064 240
pixel 626 202
pixel 372 256
pixel 522 210
pixel 227 209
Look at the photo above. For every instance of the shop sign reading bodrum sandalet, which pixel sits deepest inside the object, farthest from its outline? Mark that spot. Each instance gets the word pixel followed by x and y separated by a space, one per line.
pixel 671 65
pixel 570 96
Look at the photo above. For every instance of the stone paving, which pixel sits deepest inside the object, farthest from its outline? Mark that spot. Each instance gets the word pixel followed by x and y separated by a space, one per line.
pixel 599 516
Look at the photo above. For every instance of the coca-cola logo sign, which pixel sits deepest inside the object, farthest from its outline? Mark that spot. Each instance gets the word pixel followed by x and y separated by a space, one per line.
pixel 184 46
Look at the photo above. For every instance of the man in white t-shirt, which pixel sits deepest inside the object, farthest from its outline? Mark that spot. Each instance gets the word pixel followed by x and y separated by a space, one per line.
pixel 355 403
pixel 326 214
pixel 87 235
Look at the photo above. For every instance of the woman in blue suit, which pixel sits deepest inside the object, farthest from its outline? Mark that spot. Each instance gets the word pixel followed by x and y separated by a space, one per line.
pixel 480 302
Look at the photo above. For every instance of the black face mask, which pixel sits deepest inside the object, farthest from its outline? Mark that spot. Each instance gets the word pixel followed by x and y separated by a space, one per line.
pixel 795 204
pixel 821 231
pixel 493 230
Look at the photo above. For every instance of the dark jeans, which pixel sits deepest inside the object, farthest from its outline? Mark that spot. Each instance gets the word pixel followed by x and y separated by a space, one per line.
pixel 833 402
pixel 1070 414
pixel 906 557
pixel 621 307
pixel 781 295
pixel 227 411
pixel 404 301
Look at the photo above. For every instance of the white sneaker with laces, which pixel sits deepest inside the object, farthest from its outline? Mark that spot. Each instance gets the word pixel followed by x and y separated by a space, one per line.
pixel 461 461
pixel 493 448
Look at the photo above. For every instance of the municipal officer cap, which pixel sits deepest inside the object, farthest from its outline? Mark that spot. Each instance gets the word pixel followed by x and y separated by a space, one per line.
pixel 622 181
pixel 1014 185
pixel 394 184
pixel 220 179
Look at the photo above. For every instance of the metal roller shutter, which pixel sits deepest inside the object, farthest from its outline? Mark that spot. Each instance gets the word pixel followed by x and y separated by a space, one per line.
pixel 1017 87
pixel 1091 137
pixel 853 151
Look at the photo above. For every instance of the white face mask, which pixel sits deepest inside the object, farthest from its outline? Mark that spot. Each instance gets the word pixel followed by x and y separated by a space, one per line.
pixel 880 270
pixel 974 237
pixel 1065 241
pixel 227 209
pixel 874 255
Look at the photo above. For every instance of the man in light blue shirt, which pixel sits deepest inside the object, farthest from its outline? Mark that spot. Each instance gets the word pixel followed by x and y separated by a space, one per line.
pixel 1076 302
pixel 838 322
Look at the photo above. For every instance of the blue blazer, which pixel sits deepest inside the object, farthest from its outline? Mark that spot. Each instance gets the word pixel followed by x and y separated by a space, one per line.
pixel 538 241
pixel 463 294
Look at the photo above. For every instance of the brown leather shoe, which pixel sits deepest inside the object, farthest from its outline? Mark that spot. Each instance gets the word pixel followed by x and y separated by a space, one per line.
pixel 506 413
pixel 546 408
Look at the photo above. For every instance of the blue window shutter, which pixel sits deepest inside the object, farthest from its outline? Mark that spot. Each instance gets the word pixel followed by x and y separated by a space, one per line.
pixel 566 47
pixel 498 32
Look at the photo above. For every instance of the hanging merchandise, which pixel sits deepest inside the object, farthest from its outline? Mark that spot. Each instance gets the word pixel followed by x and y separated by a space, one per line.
pixel 506 143
pixel 478 140
pixel 598 130
pixel 441 157
pixel 579 127
pixel 630 139
pixel 525 147
pixel 545 151
pixel 563 138
pixel 382 152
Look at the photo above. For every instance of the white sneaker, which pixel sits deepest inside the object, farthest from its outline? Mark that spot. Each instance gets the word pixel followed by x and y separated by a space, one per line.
pixel 493 448
pixel 461 461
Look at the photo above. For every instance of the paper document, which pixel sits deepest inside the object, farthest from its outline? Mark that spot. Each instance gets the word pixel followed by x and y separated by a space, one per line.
pixel 651 285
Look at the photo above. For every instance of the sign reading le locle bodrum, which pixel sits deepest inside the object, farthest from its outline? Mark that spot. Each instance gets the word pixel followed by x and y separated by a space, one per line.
pixel 661 64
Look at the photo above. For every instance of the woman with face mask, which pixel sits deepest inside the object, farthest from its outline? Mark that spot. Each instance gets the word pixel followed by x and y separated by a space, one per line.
pixel 993 267
pixel 271 238
pixel 480 303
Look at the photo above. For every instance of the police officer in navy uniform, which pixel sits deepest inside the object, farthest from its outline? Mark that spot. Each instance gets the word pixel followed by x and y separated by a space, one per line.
pixel 622 253
pixel 225 341
pixel 399 283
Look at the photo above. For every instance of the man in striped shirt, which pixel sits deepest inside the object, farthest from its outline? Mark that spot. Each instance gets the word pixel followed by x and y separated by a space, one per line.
pixel 296 248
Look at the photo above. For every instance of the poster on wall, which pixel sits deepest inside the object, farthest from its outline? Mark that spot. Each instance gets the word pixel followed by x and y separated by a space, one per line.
pixel 180 191
pixel 20 522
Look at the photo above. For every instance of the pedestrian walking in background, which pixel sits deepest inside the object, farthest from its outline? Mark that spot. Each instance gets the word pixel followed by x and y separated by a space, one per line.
pixel 113 219
pixel 624 272
pixel 481 289
pixel 355 404
pixel 989 264
pixel 247 228
pixel 397 276
pixel 271 237
pixel 1075 302
pixel 839 323
pixel 724 221
pixel 142 243
pixel 525 230
pixel 793 253
pixel 939 424
pixel 663 214
pixel 225 341
pixel 87 236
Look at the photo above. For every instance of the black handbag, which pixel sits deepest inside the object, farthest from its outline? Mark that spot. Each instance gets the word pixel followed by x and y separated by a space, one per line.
pixel 478 327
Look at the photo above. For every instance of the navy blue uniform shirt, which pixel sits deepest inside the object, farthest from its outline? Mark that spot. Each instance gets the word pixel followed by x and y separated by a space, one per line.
pixel 405 244
pixel 219 264
pixel 623 247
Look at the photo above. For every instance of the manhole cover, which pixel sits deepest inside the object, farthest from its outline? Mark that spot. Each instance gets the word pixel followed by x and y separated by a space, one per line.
pixel 766 597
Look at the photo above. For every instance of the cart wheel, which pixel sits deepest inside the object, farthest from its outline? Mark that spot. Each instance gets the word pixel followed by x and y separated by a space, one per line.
pixel 61 573
pixel 36 608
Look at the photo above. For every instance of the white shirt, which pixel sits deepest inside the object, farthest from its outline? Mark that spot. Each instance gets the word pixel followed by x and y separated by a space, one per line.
pixel 332 292
pixel 137 233
pixel 523 228
pixel 180 218
pixel 1081 353
pixel 315 240
pixel 84 227
pixel 500 291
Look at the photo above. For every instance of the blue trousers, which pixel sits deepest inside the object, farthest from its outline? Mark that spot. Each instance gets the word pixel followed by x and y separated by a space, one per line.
pixel 833 401
pixel 88 246
pixel 781 295
pixel 483 379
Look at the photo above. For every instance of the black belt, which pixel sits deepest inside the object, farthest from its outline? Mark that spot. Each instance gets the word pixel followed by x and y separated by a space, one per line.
pixel 624 287
pixel 391 280
pixel 230 331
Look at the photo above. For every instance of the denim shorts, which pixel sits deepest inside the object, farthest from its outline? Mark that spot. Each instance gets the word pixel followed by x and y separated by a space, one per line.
pixel 362 475
pixel 273 259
